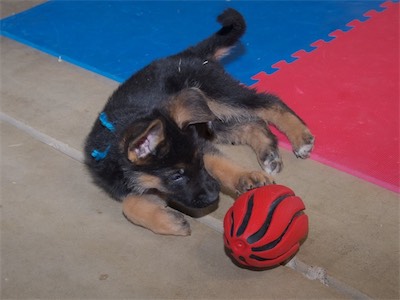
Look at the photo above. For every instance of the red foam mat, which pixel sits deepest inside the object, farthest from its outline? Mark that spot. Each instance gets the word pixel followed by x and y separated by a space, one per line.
pixel 347 91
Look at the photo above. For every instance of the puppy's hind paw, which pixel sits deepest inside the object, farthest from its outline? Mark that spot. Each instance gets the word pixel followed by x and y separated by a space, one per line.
pixel 272 163
pixel 304 150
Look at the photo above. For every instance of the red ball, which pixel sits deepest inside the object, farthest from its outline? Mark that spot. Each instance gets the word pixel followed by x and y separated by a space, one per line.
pixel 264 226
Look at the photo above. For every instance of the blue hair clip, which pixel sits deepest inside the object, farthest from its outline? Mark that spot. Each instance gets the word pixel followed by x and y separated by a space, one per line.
pixel 105 122
pixel 99 155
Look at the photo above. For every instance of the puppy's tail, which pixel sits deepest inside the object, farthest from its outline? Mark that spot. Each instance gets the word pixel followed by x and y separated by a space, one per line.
pixel 219 44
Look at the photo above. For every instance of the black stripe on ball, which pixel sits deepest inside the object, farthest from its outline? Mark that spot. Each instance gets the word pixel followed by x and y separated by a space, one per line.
pixel 274 243
pixel 249 210
pixel 262 231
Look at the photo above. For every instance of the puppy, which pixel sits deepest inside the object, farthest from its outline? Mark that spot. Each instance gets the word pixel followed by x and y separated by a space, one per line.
pixel 154 141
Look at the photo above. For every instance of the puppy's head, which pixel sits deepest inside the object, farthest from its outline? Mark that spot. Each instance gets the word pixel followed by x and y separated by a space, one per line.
pixel 165 152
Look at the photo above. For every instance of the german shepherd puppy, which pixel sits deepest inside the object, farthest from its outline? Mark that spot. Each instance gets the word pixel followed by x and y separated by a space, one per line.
pixel 154 141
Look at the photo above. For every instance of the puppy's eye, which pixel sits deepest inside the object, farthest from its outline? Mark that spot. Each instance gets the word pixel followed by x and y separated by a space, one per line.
pixel 178 175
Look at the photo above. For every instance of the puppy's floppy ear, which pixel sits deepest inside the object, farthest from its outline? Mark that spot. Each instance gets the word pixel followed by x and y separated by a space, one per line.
pixel 142 139
pixel 189 107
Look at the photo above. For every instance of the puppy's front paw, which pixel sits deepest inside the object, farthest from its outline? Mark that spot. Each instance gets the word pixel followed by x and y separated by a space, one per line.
pixel 251 180
pixel 304 149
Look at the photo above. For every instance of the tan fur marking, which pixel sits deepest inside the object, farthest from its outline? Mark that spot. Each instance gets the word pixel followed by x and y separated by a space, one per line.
pixel 222 169
pixel 190 107
pixel 221 53
pixel 181 114
pixel 253 135
pixel 151 212
pixel 132 156
pixel 287 123
pixel 231 176
pixel 148 182
pixel 226 112
pixel 257 139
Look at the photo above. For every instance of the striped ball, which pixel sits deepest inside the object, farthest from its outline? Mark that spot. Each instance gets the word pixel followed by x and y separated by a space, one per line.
pixel 265 226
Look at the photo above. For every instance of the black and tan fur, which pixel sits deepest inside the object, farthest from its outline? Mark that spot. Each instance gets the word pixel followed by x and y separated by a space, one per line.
pixel 166 120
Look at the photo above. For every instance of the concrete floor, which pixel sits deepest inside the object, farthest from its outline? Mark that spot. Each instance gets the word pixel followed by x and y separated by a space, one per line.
pixel 61 237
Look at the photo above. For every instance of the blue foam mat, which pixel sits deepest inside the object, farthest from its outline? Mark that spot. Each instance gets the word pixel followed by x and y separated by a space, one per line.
pixel 117 38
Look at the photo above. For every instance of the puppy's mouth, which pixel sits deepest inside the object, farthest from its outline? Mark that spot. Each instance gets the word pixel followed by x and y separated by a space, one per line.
pixel 197 208
pixel 200 203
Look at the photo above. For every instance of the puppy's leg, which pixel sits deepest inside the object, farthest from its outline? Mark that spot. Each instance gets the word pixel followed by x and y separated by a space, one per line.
pixel 232 176
pixel 289 123
pixel 151 212
pixel 235 102
pixel 256 135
